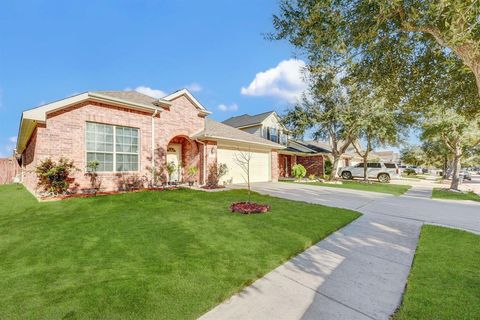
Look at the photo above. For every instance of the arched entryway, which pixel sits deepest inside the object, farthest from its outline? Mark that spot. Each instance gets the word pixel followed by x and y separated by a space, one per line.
pixel 184 154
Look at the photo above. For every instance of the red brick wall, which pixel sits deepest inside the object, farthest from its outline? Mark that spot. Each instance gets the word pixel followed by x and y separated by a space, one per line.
pixel 64 135
pixel 274 164
pixel 284 171
pixel 313 164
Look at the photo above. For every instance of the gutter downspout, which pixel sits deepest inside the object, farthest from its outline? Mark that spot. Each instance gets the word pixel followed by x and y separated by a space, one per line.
pixel 153 146
pixel 204 160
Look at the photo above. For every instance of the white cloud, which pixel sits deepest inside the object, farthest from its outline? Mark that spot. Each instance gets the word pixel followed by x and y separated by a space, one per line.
pixel 230 107
pixel 6 150
pixel 194 87
pixel 285 81
pixel 155 93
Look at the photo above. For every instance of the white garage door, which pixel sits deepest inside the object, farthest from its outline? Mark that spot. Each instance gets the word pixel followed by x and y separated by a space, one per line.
pixel 259 165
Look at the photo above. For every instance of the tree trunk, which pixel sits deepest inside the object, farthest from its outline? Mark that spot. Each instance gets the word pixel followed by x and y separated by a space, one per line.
pixel 476 72
pixel 336 161
pixel 445 168
pixel 365 168
pixel 449 170
pixel 456 172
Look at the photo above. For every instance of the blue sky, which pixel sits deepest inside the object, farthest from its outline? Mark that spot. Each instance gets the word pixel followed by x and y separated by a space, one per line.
pixel 53 49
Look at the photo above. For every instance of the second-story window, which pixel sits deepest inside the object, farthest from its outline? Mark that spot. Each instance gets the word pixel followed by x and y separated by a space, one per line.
pixel 273 134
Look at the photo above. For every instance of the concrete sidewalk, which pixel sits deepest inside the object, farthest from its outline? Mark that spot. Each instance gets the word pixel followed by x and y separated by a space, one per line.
pixel 358 272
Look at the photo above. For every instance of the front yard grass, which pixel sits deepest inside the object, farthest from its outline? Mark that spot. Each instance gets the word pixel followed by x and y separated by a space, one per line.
pixel 395 189
pixel 444 282
pixel 439 193
pixel 146 255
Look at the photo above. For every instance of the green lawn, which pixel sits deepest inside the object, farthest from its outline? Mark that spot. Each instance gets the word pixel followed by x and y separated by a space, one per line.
pixel 439 193
pixel 444 282
pixel 395 189
pixel 153 255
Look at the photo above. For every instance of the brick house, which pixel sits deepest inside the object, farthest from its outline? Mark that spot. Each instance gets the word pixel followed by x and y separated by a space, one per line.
pixel 311 154
pixel 132 135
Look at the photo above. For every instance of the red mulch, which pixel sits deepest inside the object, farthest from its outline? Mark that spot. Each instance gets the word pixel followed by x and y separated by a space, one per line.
pixel 212 187
pixel 249 207
pixel 104 193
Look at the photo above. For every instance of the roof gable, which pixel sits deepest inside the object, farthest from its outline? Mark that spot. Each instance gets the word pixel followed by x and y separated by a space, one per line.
pixel 189 96
pixel 246 120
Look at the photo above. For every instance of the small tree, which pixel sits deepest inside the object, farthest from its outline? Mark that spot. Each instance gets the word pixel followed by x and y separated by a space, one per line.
pixel 95 182
pixel 299 171
pixel 54 177
pixel 242 159
pixel 215 173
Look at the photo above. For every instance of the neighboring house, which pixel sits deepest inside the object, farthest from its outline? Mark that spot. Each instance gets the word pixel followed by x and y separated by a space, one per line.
pixel 387 156
pixel 311 154
pixel 131 135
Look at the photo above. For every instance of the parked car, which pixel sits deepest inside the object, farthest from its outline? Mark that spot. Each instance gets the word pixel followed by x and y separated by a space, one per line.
pixel 466 175
pixel 377 170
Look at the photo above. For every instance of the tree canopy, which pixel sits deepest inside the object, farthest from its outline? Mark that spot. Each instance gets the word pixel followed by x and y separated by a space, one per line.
pixel 394 45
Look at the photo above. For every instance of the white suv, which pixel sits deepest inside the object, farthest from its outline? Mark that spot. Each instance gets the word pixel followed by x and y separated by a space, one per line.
pixel 377 170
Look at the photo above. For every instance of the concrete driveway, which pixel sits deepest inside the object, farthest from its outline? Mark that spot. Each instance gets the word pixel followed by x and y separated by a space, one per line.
pixel 415 205
pixel 360 271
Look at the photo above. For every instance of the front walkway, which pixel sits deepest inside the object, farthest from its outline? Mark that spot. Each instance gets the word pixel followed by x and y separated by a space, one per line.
pixel 358 272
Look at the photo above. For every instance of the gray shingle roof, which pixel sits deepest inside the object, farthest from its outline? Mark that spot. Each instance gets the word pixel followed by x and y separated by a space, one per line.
pixel 214 129
pixel 246 119
pixel 132 96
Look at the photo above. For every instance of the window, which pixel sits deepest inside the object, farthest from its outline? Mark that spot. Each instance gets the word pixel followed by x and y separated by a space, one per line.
pixel 374 165
pixel 115 148
pixel 390 165
pixel 360 165
pixel 283 139
pixel 273 135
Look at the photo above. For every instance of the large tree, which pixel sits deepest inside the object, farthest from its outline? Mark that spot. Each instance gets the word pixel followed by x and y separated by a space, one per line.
pixel 327 113
pixel 460 134
pixel 394 44
pixel 378 124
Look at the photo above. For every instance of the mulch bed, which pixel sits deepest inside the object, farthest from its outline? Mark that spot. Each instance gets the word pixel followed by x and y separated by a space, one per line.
pixel 212 187
pixel 104 193
pixel 249 207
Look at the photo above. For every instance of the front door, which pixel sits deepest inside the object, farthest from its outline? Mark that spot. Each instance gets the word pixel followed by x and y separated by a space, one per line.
pixel 174 157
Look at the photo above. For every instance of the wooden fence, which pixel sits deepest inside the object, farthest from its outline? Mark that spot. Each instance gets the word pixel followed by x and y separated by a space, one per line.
pixel 9 169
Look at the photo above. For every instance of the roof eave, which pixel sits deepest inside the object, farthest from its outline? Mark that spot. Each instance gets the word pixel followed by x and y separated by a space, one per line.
pixel 216 138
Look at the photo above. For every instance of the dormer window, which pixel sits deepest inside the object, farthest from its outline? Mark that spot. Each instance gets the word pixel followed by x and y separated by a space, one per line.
pixel 273 135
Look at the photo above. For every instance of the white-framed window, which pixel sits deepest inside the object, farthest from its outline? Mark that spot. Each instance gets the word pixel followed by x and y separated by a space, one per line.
pixel 115 148
pixel 273 134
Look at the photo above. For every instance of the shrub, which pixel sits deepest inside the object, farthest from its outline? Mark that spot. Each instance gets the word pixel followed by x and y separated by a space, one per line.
pixel 192 172
pixel 298 171
pixel 171 167
pixel 215 173
pixel 328 167
pixel 312 177
pixel 409 172
pixel 95 182
pixel 54 177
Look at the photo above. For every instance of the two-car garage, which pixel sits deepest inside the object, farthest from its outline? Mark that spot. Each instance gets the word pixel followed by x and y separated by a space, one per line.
pixel 260 163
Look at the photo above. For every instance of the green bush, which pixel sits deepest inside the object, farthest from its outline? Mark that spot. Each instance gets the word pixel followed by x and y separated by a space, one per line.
pixel 409 172
pixel 299 171
pixel 54 177
pixel 328 167
pixel 215 173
